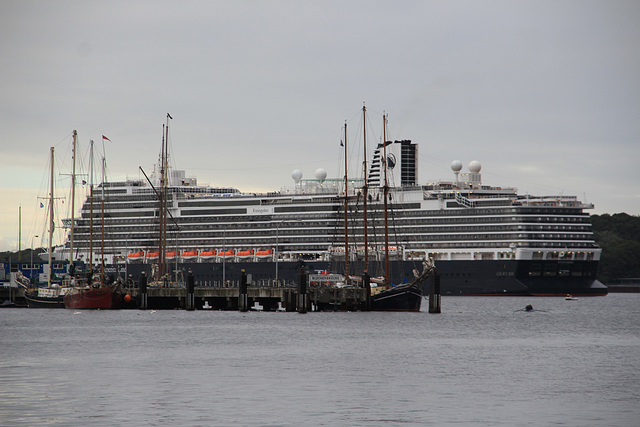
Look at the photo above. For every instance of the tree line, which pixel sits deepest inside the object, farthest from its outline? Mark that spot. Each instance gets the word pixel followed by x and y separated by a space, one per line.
pixel 619 237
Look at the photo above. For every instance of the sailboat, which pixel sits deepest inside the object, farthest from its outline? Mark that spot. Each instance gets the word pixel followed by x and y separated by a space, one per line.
pixel 403 297
pixel 95 294
pixel 51 295
pixel 161 277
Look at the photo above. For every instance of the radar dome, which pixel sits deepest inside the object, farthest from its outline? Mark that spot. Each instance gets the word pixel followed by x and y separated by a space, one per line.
pixel 296 175
pixel 474 166
pixel 321 174
pixel 456 166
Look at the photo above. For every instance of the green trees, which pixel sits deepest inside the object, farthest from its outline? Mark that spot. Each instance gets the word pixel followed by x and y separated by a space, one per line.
pixel 619 237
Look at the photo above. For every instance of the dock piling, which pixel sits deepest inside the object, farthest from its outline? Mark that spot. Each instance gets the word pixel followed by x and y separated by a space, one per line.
pixel 434 295
pixel 190 303
pixel 302 292
pixel 243 298
pixel 144 295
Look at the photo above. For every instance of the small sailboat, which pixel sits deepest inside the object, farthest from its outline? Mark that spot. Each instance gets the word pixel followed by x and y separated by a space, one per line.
pixel 95 293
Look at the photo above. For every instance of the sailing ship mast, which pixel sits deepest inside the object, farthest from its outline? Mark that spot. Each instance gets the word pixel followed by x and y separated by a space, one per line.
pixel 386 195
pixel 91 208
pixel 346 209
pixel 73 195
pixel 51 222
pixel 164 166
pixel 365 191
pixel 102 222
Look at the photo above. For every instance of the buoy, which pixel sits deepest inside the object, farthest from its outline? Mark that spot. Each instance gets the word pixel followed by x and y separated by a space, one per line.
pixel 127 298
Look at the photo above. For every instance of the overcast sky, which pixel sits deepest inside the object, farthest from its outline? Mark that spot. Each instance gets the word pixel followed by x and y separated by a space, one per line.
pixel 545 94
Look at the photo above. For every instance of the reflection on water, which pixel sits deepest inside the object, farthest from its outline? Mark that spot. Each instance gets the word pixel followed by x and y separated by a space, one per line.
pixel 481 361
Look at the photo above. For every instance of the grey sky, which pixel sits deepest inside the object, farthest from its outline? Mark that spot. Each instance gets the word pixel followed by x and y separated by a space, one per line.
pixel 545 94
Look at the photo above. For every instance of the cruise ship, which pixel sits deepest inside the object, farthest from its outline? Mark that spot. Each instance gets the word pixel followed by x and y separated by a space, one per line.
pixel 483 240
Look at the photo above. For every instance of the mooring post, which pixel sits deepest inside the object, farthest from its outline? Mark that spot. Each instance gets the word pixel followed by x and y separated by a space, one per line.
pixel 243 299
pixel 434 295
pixel 190 303
pixel 366 279
pixel 144 296
pixel 302 292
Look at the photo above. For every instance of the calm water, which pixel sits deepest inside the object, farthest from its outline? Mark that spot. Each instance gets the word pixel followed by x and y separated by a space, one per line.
pixel 480 362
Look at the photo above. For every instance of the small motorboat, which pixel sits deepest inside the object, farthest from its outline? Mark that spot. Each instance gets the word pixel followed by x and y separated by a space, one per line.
pixel 570 297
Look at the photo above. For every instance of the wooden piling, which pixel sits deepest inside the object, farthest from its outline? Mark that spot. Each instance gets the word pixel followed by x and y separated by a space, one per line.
pixel 144 293
pixel 434 294
pixel 302 292
pixel 243 298
pixel 190 303
pixel 366 279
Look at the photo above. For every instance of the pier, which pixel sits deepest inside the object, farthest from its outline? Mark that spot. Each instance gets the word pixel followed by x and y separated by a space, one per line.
pixel 254 297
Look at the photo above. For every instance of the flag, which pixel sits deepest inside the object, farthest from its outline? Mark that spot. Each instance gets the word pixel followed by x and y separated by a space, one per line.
pixel 169 115
pixel 41 205
pixel 341 144
pixel 104 137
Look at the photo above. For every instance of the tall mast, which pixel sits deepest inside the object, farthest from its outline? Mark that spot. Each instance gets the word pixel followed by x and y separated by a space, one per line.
pixel 73 195
pixel 346 209
pixel 161 243
pixel 164 170
pixel 91 208
pixel 20 232
pixel 51 222
pixel 386 195
pixel 102 209
pixel 365 190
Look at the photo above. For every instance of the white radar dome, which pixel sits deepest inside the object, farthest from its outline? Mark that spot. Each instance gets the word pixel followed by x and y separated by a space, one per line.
pixel 321 174
pixel 456 166
pixel 296 175
pixel 474 166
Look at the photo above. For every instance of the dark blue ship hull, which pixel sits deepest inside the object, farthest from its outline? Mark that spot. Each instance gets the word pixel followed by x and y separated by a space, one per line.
pixel 484 277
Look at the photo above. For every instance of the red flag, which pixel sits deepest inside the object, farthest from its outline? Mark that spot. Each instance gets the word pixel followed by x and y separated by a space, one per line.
pixel 104 137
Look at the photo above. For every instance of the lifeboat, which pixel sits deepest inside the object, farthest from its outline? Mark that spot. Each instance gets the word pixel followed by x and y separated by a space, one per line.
pixel 135 256
pixel 153 256
pixel 171 256
pixel 207 255
pixel 189 255
pixel 246 254
pixel 227 254
pixel 264 254
pixel 337 251
pixel 393 250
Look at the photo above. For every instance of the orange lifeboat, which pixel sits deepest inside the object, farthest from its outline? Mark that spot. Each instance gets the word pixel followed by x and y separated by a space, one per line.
pixel 170 256
pixel 135 256
pixel 227 254
pixel 189 255
pixel 207 255
pixel 245 254
pixel 264 254
pixel 153 256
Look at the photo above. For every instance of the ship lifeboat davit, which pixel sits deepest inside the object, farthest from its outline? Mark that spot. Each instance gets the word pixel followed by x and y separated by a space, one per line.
pixel 227 254
pixel 264 254
pixel 246 254
pixel 189 255
pixel 207 255
pixel 152 256
pixel 135 256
